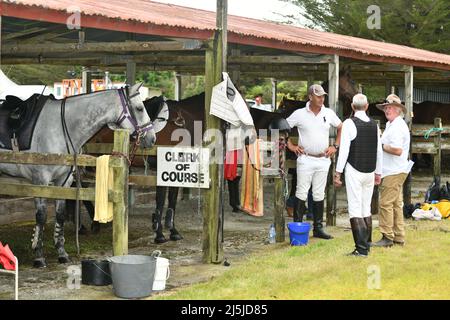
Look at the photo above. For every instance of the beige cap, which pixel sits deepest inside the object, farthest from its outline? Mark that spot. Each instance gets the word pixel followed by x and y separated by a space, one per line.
pixel 393 100
pixel 317 90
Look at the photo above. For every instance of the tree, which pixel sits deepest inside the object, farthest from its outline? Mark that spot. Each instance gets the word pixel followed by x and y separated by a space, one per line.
pixel 421 24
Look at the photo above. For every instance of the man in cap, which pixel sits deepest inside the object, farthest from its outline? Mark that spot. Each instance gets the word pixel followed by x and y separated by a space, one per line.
pixel 313 154
pixel 395 143
pixel 361 155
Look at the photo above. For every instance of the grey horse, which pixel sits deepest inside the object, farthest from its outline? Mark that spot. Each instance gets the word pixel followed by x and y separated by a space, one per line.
pixel 63 127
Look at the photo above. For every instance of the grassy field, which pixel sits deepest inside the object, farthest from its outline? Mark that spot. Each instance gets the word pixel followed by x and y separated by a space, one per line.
pixel 321 270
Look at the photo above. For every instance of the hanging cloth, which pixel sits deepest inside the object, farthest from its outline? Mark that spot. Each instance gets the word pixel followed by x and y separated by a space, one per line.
pixel 252 191
pixel 103 182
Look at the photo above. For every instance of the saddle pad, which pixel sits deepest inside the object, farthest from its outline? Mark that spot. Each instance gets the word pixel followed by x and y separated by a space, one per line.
pixel 25 133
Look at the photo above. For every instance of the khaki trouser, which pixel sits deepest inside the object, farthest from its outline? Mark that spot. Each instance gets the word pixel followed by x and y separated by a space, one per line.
pixel 391 221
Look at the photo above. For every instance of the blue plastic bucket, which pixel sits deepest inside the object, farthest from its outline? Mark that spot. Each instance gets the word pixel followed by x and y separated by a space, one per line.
pixel 299 233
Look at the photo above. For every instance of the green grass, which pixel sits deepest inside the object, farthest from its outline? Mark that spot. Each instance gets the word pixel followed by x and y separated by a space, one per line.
pixel 321 270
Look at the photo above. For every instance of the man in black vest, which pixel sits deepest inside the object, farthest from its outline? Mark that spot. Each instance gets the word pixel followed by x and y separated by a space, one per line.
pixel 361 155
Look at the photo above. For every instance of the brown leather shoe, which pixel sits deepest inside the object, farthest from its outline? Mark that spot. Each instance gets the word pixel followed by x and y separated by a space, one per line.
pixel 399 243
pixel 384 242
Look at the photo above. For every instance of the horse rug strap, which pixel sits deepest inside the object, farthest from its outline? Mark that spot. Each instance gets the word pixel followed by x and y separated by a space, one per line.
pixel 104 180
pixel 18 119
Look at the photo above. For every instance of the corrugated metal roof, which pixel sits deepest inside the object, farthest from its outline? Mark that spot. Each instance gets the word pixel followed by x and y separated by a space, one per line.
pixel 244 30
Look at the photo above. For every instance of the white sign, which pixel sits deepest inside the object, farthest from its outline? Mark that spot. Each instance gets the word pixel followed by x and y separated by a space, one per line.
pixel 186 167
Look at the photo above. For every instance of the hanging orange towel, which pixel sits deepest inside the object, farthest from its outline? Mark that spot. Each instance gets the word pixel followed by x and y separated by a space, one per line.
pixel 252 191
pixel 103 181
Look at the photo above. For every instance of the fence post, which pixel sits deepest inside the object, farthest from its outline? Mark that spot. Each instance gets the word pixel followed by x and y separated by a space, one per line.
pixel 437 147
pixel 120 211
pixel 280 201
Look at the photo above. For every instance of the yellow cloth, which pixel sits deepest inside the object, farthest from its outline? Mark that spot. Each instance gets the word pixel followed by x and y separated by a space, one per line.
pixel 443 207
pixel 103 182
pixel 252 190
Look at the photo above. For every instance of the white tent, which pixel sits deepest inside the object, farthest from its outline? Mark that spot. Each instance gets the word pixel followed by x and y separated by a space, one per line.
pixel 8 87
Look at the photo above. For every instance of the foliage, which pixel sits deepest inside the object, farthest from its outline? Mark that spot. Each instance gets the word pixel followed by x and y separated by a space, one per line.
pixel 39 74
pixel 163 80
pixel 422 23
pixel 192 86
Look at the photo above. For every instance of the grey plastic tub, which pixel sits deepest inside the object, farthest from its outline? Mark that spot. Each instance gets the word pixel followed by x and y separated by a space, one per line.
pixel 132 275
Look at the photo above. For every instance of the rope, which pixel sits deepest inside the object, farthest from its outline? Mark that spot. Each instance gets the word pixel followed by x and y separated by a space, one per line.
pixel 430 131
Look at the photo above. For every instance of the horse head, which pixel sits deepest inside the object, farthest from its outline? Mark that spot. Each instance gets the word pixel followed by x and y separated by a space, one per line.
pixel 134 116
pixel 347 86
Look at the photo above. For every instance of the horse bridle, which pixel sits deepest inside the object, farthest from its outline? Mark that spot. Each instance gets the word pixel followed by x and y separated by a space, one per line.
pixel 128 114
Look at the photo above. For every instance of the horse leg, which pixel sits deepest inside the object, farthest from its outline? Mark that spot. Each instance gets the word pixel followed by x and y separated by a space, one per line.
pixel 58 235
pixel 170 214
pixel 157 216
pixel 37 241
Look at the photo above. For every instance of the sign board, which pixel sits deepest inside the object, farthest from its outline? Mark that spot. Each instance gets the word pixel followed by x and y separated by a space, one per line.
pixel 186 167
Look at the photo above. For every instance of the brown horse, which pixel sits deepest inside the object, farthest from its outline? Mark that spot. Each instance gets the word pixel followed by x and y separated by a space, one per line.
pixel 182 115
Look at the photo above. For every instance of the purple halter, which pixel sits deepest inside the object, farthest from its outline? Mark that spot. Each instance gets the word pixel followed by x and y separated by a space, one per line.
pixel 126 114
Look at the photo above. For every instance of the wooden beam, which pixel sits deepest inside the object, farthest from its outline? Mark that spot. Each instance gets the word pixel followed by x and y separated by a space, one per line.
pixel 51 159
pixel 289 59
pixel 131 73
pixel 22 33
pixel 125 46
pixel 51 192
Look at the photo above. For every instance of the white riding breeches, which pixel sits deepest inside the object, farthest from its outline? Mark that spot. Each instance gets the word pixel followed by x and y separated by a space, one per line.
pixel 359 186
pixel 312 171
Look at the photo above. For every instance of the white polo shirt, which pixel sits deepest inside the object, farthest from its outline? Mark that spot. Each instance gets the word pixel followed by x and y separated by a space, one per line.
pixel 313 130
pixel 348 134
pixel 396 135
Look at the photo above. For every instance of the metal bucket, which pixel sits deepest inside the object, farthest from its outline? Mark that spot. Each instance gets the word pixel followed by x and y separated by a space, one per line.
pixel 132 275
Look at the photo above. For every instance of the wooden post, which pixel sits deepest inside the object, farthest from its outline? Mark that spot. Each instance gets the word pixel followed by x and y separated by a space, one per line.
pixel 278 218
pixel 274 93
pixel 131 73
pixel 437 147
pixel 0 39
pixel 86 80
pixel 409 80
pixel 212 208
pixel 120 211
pixel 333 97
pixel 178 90
pixel 375 204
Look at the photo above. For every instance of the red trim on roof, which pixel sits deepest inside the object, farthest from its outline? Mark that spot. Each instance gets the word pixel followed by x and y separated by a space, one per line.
pixel 99 22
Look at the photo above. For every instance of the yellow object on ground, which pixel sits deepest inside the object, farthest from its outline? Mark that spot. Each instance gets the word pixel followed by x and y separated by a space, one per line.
pixel 103 182
pixel 444 208
pixel 252 184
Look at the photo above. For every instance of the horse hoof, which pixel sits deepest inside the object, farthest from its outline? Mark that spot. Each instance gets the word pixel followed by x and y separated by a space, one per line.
pixel 62 260
pixel 176 237
pixel 40 263
pixel 160 240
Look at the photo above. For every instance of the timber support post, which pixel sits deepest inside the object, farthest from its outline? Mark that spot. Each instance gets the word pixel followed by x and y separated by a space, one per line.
pixel 120 208
pixel 280 201
pixel 437 147
pixel 409 80
pixel 333 96
pixel 215 63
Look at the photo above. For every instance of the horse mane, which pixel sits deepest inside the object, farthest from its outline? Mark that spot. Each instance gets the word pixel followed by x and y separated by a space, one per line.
pixel 153 104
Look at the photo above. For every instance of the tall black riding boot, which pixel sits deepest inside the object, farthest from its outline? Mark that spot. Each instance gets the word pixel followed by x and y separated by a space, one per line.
pixel 233 190
pixel 318 231
pixel 359 230
pixel 299 210
pixel 368 221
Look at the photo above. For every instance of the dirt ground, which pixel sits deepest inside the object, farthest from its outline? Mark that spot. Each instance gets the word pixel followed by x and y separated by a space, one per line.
pixel 243 235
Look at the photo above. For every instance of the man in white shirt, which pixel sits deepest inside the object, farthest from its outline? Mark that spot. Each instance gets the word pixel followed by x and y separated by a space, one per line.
pixel 395 143
pixel 313 151
pixel 361 155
